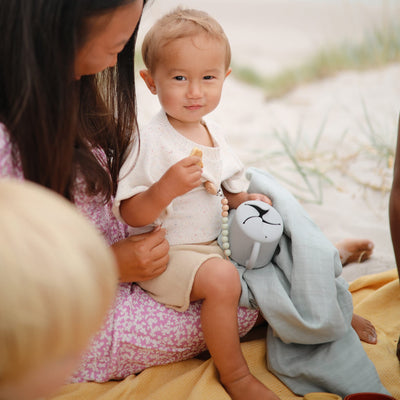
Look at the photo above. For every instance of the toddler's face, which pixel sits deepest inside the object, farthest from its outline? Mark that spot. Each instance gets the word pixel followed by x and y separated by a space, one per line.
pixel 189 76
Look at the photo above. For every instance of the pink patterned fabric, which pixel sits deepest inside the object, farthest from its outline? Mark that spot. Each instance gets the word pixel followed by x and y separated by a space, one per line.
pixel 138 332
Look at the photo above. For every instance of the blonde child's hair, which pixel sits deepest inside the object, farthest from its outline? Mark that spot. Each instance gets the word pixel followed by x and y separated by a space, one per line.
pixel 181 23
pixel 58 279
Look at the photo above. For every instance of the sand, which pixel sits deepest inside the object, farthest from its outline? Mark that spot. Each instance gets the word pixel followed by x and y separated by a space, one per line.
pixel 355 111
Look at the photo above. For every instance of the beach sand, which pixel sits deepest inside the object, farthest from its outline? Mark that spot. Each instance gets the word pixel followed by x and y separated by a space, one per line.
pixel 352 114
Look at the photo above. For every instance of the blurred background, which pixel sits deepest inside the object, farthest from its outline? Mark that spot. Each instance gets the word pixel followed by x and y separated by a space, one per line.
pixel 269 34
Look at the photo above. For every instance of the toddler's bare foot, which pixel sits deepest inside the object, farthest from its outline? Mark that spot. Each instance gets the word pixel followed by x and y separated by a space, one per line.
pixel 364 329
pixel 354 250
pixel 249 388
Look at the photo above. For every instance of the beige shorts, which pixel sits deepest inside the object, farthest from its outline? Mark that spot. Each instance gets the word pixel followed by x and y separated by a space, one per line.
pixel 173 287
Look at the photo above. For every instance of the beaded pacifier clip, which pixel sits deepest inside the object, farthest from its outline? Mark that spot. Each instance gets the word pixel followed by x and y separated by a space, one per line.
pixel 211 188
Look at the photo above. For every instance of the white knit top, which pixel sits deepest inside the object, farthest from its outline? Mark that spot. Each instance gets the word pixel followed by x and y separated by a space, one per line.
pixel 194 217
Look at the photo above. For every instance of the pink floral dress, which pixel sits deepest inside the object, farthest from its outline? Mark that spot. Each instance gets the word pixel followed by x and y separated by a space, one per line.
pixel 138 332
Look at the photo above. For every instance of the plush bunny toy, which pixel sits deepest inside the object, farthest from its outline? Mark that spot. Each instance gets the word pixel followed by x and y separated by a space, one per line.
pixel 255 229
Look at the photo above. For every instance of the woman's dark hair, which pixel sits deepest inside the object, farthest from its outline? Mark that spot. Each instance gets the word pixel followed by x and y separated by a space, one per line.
pixel 54 122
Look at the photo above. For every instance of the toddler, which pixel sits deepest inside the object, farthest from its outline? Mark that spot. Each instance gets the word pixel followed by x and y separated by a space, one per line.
pixel 187 56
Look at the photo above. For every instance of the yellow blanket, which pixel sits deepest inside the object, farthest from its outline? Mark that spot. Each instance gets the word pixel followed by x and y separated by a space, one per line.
pixel 376 297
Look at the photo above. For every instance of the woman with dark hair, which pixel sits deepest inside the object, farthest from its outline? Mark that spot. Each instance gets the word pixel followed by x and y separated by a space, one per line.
pixel 67 118
pixel 49 102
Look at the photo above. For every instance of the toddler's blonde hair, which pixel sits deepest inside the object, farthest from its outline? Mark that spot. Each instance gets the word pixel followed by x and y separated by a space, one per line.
pixel 58 279
pixel 181 23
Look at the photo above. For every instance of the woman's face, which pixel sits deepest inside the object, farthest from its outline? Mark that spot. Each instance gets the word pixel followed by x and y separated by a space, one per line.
pixel 108 36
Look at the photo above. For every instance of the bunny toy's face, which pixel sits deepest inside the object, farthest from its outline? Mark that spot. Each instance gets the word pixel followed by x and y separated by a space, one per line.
pixel 259 220
pixel 255 231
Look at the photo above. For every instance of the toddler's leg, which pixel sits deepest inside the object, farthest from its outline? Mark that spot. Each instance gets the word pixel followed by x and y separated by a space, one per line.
pixel 364 329
pixel 217 284
pixel 354 250
pixel 358 250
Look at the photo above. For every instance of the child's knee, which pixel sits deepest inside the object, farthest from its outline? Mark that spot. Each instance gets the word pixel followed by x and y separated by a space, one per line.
pixel 224 279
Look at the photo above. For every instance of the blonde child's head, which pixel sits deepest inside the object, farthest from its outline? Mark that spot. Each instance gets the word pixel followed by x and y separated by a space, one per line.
pixel 58 279
pixel 181 23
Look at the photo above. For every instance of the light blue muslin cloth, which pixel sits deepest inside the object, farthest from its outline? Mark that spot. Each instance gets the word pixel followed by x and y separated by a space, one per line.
pixel 311 346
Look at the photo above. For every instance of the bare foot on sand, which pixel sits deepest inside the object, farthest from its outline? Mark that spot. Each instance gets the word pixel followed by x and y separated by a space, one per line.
pixel 249 387
pixel 364 329
pixel 354 250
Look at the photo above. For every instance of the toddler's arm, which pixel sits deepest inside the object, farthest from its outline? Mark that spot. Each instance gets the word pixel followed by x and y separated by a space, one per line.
pixel 145 207
pixel 236 199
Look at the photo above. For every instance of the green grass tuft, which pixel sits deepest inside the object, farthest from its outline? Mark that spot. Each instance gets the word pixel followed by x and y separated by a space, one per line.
pixel 378 48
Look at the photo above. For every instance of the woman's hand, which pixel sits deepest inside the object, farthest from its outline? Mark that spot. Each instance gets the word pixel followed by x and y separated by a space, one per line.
pixel 142 257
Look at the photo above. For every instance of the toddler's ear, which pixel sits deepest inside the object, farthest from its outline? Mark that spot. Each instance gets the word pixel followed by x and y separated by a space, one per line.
pixel 228 72
pixel 148 79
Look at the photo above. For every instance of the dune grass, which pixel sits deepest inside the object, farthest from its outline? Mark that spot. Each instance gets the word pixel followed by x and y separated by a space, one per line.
pixel 379 47
pixel 306 166
pixel 301 164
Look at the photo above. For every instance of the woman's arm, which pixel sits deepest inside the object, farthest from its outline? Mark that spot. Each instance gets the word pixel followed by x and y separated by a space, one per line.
pixel 394 204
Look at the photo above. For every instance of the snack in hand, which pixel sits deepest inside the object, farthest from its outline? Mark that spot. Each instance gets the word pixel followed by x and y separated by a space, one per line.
pixel 197 152
pixel 209 186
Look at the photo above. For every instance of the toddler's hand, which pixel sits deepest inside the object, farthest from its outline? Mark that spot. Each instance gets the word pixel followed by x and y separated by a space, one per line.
pixel 259 196
pixel 182 177
pixel 236 199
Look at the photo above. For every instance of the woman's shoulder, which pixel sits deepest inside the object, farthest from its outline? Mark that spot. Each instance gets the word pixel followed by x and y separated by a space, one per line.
pixel 4 136
pixel 9 167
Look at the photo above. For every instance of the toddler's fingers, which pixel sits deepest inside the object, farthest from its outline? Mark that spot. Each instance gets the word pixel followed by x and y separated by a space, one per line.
pixel 267 200
pixel 261 197
pixel 193 160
